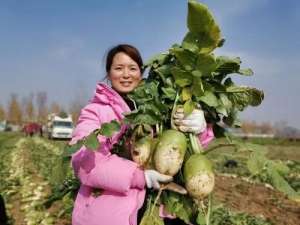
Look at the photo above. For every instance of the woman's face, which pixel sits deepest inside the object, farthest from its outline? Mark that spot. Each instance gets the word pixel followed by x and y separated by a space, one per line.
pixel 124 73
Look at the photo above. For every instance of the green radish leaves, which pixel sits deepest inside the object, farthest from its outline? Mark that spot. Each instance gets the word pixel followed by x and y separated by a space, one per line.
pixel 178 205
pixel 91 141
pixel 205 34
pixel 109 129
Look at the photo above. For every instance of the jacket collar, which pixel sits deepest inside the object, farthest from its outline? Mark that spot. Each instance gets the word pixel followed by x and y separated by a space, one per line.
pixel 106 95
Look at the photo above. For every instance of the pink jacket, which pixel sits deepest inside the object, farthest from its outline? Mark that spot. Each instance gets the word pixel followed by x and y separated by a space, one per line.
pixel 121 181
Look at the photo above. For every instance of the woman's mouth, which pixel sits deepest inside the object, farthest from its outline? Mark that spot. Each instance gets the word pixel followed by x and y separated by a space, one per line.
pixel 126 83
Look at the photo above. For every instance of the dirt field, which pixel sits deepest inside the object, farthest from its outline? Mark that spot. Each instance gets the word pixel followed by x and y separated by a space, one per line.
pixel 256 199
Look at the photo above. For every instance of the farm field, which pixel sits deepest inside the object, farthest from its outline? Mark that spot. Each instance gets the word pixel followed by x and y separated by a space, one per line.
pixel 33 168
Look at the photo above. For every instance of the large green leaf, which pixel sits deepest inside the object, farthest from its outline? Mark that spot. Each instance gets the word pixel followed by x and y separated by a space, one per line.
pixel 197 87
pixel 210 99
pixel 70 149
pixel 243 96
pixel 186 58
pixel 186 94
pixel 182 78
pixel 164 72
pixel 246 72
pixel 206 64
pixel 151 216
pixel 281 184
pixel 156 60
pixel 91 141
pixel 169 92
pixel 188 107
pixel 228 65
pixel 178 205
pixel 108 129
pixel 225 106
pixel 225 100
pixel 142 118
pixel 281 168
pixel 204 31
pixel 256 163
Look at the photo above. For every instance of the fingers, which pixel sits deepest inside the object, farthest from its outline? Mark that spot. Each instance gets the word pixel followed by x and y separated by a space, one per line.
pixel 153 178
pixel 148 181
pixel 196 113
pixel 194 122
pixel 164 178
pixel 190 129
pixel 155 185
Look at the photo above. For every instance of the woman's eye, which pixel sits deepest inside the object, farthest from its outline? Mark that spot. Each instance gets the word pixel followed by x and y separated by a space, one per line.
pixel 118 68
pixel 133 69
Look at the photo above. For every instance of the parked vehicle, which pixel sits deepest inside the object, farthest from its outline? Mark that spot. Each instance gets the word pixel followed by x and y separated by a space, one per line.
pixel 59 126
pixel 2 125
pixel 31 129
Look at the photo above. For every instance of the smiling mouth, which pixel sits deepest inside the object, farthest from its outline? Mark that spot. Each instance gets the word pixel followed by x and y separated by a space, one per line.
pixel 126 83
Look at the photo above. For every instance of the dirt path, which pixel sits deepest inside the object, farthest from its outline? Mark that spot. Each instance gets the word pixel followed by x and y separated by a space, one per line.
pixel 256 199
pixel 32 188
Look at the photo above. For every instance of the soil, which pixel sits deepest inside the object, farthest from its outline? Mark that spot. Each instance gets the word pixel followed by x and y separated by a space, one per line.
pixel 256 199
pixel 16 212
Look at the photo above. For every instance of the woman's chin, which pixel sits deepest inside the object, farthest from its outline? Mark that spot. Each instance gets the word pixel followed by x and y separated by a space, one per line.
pixel 125 89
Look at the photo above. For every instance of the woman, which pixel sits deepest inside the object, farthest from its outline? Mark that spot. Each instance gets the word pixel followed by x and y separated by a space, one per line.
pixel 121 181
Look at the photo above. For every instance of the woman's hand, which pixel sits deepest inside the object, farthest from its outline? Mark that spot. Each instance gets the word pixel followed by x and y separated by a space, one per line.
pixel 194 123
pixel 153 178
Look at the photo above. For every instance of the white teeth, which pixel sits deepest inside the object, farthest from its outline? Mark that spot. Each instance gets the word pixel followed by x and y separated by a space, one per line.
pixel 126 83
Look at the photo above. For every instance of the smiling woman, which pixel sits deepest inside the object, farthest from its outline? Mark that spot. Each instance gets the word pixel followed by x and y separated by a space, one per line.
pixel 124 68
pixel 121 182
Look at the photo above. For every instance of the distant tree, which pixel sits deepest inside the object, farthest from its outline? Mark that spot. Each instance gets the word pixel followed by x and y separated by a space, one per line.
pixel 42 111
pixel 74 109
pixel 14 110
pixel 2 113
pixel 28 108
pixel 79 101
pixel 266 128
pixel 249 127
pixel 55 108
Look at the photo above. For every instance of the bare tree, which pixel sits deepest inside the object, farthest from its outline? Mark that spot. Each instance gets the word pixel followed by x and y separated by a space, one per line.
pixel 79 101
pixel 14 110
pixel 75 108
pixel 28 108
pixel 42 111
pixel 2 113
pixel 249 127
pixel 55 108
pixel 266 128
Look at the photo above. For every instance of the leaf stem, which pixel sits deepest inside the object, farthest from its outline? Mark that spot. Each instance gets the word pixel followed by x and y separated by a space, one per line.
pixel 156 199
pixel 196 145
pixel 209 210
pixel 218 146
pixel 173 111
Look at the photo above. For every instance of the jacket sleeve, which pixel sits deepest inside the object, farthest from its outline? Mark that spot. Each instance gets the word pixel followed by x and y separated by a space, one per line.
pixel 206 136
pixel 98 169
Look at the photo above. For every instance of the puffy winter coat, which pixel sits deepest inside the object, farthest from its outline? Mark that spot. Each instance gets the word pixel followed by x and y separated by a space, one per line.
pixel 121 181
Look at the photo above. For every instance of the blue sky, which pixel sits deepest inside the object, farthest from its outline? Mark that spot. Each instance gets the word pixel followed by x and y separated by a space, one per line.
pixel 59 46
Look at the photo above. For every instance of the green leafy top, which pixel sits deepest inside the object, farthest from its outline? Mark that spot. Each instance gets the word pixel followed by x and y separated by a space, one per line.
pixel 91 141
pixel 192 71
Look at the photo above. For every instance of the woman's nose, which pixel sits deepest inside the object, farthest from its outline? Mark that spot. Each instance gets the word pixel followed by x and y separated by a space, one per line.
pixel 126 73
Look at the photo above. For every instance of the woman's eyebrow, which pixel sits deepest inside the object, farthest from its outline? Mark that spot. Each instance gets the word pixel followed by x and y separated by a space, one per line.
pixel 122 64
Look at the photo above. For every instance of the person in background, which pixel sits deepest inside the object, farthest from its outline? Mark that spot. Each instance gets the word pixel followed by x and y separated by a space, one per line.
pixel 121 182
pixel 3 215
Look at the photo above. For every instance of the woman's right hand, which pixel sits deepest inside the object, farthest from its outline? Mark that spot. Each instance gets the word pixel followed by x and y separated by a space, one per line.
pixel 153 178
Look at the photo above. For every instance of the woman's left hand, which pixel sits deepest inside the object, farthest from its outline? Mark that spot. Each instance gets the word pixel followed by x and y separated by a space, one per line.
pixel 194 122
